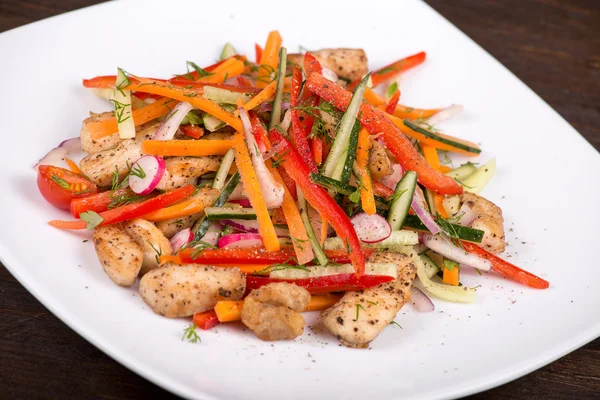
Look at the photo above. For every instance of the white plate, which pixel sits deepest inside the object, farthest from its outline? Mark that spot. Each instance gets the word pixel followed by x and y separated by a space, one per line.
pixel 548 184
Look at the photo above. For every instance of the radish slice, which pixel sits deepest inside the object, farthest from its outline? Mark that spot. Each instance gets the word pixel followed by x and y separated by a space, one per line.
pixel 392 180
pixel 181 238
pixel 445 114
pixel 250 226
pixel 272 190
pixel 57 155
pixel 371 228
pixel 420 208
pixel 150 170
pixel 268 106
pixel 242 202
pixel 169 126
pixel 445 248
pixel 420 300
pixel 240 240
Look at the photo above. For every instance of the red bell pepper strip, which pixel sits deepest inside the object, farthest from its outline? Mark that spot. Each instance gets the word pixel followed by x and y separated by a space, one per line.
pixel 259 131
pixel 243 81
pixel 193 131
pixel 289 182
pixel 323 284
pixel 507 269
pixel 253 255
pixel 376 122
pixel 311 64
pixel 316 144
pixel 131 211
pixel 320 200
pixel 298 135
pixel 381 190
pixel 258 52
pixel 206 320
pixel 391 105
pixel 100 202
pixel 392 70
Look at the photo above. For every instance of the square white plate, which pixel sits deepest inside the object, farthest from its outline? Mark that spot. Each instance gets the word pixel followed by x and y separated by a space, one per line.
pixel 548 183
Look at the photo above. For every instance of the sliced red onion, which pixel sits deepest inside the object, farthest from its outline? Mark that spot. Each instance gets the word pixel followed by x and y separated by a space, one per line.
pixel 181 238
pixel 240 240
pixel 169 126
pixel 330 75
pixel 371 228
pixel 58 154
pixel 420 208
pixel 447 249
pixel 268 106
pixel 238 193
pixel 467 215
pixel 271 190
pixel 153 168
pixel 420 300
pixel 242 202
pixel 392 179
pixel 286 121
pixel 445 114
pixel 274 150
pixel 250 226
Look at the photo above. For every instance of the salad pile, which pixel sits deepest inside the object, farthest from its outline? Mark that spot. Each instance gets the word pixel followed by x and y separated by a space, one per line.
pixel 255 191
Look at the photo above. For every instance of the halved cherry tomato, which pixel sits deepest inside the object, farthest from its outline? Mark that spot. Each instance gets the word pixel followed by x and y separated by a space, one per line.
pixel 59 186
pixel 193 131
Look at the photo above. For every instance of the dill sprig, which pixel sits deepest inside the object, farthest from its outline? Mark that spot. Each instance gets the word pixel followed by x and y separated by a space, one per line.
pixel 190 334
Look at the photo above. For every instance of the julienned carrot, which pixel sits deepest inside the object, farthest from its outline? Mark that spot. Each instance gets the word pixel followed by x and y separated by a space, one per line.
pixel 193 148
pixel 72 165
pixel 258 52
pixel 108 126
pixel 229 69
pixel 431 156
pixel 367 197
pixel 393 103
pixel 265 94
pixel 270 54
pixel 231 310
pixel 183 209
pixel 401 111
pixel 381 190
pixel 302 247
pixel 450 277
pixel 439 205
pixel 316 145
pixel 392 70
pixel 444 169
pixel 250 182
pixel 183 94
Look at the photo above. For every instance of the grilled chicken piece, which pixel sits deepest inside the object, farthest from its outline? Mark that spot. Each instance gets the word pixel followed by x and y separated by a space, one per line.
pixel 150 239
pixel 376 307
pixel 183 290
pixel 90 145
pixel 273 311
pixel 171 226
pixel 349 64
pixel 120 256
pixel 489 219
pixel 181 171
pixel 379 163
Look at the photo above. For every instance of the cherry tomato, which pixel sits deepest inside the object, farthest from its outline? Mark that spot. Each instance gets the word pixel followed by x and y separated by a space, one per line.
pixel 193 131
pixel 59 186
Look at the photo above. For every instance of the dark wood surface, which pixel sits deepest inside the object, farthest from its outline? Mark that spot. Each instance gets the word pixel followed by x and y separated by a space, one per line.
pixel 552 45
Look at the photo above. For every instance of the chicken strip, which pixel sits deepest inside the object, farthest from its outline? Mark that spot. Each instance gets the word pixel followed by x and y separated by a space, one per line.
pixel 171 226
pixel 489 219
pixel 151 240
pixel 350 64
pixel 181 171
pixel 359 316
pixel 273 311
pixel 183 290
pixel 120 256
pixel 379 163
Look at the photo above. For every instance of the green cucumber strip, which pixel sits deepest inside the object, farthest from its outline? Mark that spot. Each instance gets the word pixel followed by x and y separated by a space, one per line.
pixel 319 253
pixel 451 204
pixel 402 199
pixel 221 213
pixel 478 179
pixel 228 51
pixel 223 170
pixel 212 123
pixel 293 272
pixel 122 102
pixel 336 159
pixel 450 265
pixel 201 226
pixel 340 187
pixel 193 117
pixel 453 230
pixel 457 294
pixel 219 95
pixel 396 239
pixel 277 100
pixel 431 267
pixel 437 138
pixel 430 201
pixel 463 171
pixel 389 92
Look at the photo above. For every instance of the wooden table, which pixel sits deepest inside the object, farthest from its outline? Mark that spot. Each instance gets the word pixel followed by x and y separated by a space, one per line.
pixel 552 45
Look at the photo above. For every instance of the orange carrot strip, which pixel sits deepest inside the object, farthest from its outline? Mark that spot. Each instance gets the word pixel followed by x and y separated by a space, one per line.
pixel 231 310
pixel 367 196
pixel 270 55
pixel 183 209
pixel 302 247
pixel 324 227
pixel 258 52
pixel 72 165
pixel 194 148
pixel 264 95
pixel 316 145
pixel 230 68
pixel 439 206
pixel 444 169
pixel 401 111
pixel 108 126
pixel 250 182
pixel 183 94
pixel 431 156
pixel 450 277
